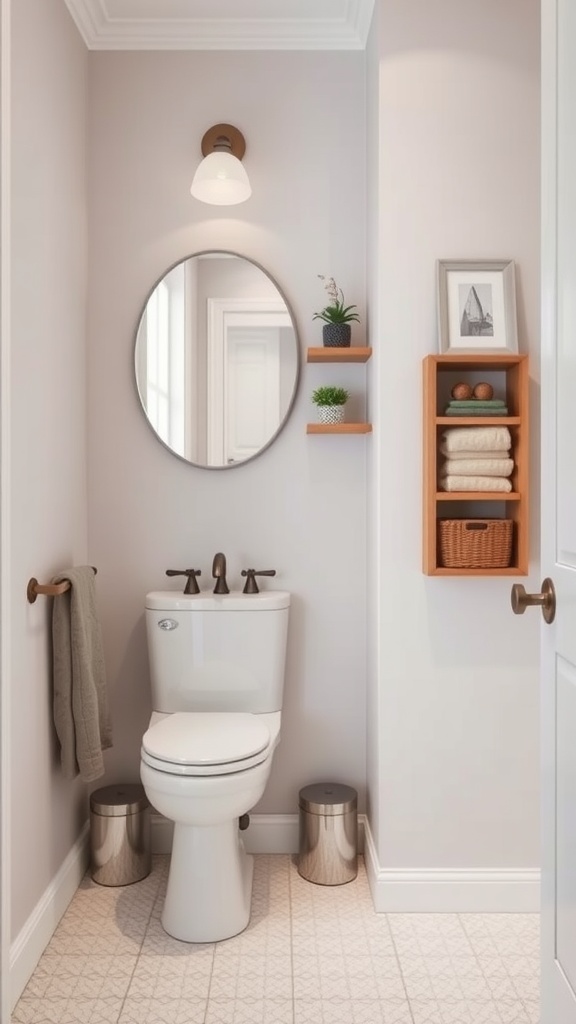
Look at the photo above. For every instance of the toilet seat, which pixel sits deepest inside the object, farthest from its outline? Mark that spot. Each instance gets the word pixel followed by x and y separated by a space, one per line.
pixel 206 743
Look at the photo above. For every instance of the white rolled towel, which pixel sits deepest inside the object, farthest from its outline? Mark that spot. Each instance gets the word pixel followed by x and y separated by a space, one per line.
pixel 477 467
pixel 476 439
pixel 475 483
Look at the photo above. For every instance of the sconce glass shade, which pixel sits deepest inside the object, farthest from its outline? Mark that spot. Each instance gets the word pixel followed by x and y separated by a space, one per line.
pixel 221 180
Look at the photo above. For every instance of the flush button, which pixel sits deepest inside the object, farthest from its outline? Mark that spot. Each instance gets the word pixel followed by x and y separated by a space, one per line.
pixel 168 624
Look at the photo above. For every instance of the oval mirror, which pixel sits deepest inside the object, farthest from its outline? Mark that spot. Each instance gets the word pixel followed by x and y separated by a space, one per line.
pixel 217 359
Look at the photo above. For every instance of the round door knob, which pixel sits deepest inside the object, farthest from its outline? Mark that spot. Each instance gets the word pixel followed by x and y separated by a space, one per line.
pixel 546 599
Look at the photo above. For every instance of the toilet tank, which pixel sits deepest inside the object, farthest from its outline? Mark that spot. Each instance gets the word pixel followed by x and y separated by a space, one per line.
pixel 211 652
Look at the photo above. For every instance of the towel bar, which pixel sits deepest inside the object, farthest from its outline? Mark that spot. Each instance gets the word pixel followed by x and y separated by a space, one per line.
pixel 50 589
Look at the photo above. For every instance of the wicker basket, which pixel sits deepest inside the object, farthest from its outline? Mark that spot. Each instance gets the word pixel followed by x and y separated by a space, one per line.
pixel 475 543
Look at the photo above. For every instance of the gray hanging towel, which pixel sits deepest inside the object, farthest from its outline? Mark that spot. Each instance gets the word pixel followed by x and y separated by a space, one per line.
pixel 81 713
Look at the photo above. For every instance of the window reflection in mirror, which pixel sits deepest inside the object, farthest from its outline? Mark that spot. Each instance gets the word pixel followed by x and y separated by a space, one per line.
pixel 217 359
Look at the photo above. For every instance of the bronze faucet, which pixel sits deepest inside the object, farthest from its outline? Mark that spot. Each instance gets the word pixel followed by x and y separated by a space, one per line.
pixel 191 583
pixel 251 587
pixel 219 574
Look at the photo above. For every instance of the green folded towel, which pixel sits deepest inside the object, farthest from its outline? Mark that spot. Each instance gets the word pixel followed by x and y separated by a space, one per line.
pixel 500 411
pixel 469 403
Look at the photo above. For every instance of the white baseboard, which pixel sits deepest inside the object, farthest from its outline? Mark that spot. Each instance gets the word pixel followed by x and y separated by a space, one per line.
pixel 447 890
pixel 161 831
pixel 33 938
pixel 272 833
pixel 267 833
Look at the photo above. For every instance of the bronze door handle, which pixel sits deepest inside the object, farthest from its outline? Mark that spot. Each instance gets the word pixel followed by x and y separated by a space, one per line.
pixel 546 600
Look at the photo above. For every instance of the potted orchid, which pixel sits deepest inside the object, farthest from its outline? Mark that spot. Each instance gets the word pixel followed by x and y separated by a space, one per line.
pixel 337 317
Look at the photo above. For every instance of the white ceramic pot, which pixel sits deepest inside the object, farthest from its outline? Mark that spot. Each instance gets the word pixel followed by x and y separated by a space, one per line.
pixel 331 413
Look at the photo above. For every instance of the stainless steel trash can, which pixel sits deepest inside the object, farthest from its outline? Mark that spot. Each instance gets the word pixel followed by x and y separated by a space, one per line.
pixel 328 833
pixel 119 835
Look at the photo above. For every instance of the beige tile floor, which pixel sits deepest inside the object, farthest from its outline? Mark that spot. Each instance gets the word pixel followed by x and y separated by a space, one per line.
pixel 311 955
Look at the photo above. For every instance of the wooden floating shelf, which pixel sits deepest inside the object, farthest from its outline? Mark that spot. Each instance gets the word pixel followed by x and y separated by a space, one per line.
pixel 354 354
pixel 478 421
pixel 474 360
pixel 339 428
pixel 478 496
pixel 511 570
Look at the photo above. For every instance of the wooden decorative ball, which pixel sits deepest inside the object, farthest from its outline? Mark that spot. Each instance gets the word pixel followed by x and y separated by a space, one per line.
pixel 483 391
pixel 461 392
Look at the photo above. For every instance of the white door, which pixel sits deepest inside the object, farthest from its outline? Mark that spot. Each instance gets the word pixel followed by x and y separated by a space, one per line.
pixel 558 738
pixel 251 390
pixel 244 374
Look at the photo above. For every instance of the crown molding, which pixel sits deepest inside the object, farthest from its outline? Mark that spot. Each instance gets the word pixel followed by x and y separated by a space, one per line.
pixel 177 25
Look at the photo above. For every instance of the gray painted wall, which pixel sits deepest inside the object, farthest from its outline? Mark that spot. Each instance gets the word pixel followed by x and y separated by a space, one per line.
pixel 46 447
pixel 301 506
pixel 453 687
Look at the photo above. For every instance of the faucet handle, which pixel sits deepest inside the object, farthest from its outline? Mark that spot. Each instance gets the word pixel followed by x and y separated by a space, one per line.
pixel 191 583
pixel 251 587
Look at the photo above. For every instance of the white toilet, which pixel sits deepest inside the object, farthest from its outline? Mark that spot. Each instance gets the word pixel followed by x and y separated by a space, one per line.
pixel 217 671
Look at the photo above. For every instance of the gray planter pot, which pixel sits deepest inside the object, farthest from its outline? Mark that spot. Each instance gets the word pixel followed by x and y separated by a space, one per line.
pixel 336 335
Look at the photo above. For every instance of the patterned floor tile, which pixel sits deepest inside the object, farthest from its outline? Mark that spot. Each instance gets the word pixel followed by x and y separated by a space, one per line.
pixel 429 935
pixel 250 1011
pixel 67 1011
pixel 533 1010
pixel 465 1012
pixel 94 945
pixel 518 966
pixel 512 1012
pixel 350 977
pixel 165 977
pixel 58 977
pixel 357 1011
pixel 162 1011
pixel 442 967
pixel 501 988
pixel 310 955
pixel 475 988
pixel 247 977
pixel 503 934
pixel 527 987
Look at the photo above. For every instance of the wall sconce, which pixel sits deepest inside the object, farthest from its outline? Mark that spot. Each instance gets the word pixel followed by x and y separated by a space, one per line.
pixel 220 178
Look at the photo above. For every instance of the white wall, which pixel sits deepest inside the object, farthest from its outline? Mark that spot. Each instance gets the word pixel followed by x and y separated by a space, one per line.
pixel 453 773
pixel 46 420
pixel 300 507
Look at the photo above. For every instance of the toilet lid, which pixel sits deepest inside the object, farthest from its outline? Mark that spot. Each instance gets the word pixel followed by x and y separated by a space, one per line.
pixel 204 738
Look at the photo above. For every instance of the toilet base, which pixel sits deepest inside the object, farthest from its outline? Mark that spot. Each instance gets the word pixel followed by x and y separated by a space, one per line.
pixel 209 888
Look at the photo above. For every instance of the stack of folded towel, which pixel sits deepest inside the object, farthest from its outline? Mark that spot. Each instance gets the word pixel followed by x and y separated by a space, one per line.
pixel 477 407
pixel 476 459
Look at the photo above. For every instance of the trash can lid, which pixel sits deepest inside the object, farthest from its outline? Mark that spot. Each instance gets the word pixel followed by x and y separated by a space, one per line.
pixel 328 798
pixel 118 801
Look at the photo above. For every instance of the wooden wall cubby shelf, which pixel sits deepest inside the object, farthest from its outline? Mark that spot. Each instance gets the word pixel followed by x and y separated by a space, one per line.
pixel 353 354
pixel 509 374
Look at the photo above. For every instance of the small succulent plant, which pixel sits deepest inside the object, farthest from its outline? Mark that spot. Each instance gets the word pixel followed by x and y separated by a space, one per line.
pixel 330 396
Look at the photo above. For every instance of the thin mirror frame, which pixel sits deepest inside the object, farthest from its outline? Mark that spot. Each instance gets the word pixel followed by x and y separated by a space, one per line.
pixel 272 439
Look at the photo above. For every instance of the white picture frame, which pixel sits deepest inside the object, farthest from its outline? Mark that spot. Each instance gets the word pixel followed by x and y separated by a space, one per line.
pixel 477 306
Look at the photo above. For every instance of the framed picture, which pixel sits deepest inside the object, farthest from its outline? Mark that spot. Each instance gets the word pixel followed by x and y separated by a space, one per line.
pixel 477 306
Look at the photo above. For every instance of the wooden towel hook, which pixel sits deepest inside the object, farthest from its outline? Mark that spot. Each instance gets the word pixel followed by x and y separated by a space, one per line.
pixel 49 589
